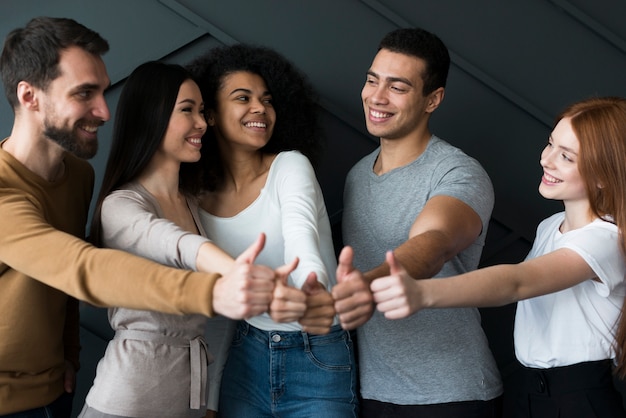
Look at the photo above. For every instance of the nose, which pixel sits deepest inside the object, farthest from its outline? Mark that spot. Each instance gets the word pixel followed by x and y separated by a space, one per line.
pixel 257 106
pixel 101 109
pixel 546 156
pixel 200 121
pixel 375 94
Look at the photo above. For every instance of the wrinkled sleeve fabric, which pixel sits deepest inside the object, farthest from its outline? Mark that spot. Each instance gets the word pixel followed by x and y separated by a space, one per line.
pixel 99 276
pixel 305 223
pixel 131 222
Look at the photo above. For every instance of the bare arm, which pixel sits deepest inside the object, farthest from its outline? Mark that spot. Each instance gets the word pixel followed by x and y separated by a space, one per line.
pixel 490 286
pixel 445 227
pixel 212 258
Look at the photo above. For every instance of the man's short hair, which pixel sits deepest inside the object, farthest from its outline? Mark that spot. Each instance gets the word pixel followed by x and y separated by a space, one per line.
pixel 427 46
pixel 32 53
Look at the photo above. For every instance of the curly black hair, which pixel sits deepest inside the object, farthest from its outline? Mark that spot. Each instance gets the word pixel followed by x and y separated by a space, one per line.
pixel 293 98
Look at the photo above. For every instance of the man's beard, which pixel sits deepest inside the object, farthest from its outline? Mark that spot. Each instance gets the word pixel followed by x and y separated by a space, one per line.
pixel 69 141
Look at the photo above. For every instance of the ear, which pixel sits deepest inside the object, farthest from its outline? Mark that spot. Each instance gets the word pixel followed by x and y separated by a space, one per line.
pixel 210 117
pixel 434 99
pixel 27 96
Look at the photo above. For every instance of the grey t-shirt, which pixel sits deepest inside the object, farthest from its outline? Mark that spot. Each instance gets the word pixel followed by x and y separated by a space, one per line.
pixel 436 355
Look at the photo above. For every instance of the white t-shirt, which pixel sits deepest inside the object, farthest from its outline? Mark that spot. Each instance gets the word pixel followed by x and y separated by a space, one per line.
pixel 576 324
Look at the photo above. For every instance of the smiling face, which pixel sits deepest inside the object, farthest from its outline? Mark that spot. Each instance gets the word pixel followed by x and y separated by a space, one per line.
pixel 561 179
pixel 73 104
pixel 183 138
pixel 244 117
pixel 394 105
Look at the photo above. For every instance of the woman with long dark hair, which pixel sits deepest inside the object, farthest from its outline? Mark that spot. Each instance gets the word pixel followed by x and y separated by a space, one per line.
pixel 156 365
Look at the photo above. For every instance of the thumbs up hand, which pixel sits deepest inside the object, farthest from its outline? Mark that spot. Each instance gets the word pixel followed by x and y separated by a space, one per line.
pixel 246 289
pixel 320 310
pixel 396 295
pixel 353 298
pixel 288 303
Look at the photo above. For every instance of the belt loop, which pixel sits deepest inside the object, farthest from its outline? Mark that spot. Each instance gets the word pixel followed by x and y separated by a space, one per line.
pixel 199 359
pixel 244 327
pixel 305 341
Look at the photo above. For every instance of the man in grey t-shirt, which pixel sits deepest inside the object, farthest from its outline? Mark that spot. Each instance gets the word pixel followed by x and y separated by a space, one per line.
pixel 430 203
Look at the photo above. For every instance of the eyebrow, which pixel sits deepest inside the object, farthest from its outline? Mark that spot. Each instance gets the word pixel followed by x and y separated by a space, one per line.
pixel 90 86
pixel 247 91
pixel 565 148
pixel 391 79
pixel 191 101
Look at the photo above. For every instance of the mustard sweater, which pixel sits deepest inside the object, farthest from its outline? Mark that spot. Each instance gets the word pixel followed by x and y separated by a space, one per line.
pixel 43 258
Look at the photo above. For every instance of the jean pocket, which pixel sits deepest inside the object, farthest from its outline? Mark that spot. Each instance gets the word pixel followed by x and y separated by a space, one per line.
pixel 337 355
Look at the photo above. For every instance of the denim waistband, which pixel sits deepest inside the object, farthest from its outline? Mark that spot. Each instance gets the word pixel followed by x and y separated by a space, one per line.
pixel 292 339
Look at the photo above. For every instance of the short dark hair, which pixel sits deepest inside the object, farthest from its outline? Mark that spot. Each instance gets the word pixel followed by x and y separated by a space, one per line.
pixel 427 46
pixel 293 99
pixel 141 120
pixel 32 53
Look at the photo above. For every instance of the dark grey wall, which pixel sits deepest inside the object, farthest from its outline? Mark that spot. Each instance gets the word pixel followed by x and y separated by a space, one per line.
pixel 516 64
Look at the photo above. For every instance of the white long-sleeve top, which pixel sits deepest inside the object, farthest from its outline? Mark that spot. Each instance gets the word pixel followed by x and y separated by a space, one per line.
pixel 291 211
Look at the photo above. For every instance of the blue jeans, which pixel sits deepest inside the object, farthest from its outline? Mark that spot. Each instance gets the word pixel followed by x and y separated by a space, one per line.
pixel 61 408
pixel 289 374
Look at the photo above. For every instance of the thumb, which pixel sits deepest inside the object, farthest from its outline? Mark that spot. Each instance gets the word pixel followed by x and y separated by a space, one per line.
pixel 283 272
pixel 311 284
pixel 253 251
pixel 394 266
pixel 344 265
pixel 68 383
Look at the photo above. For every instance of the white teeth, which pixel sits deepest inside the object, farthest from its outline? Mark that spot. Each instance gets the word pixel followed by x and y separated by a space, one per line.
pixel 551 179
pixel 255 125
pixel 91 129
pixel 195 140
pixel 379 114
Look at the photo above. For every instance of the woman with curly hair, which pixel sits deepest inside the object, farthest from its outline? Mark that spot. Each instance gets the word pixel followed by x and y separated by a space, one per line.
pixel 258 176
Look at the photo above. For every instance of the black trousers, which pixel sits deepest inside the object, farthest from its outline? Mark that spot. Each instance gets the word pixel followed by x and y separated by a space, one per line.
pixel 469 409
pixel 583 390
pixel 60 408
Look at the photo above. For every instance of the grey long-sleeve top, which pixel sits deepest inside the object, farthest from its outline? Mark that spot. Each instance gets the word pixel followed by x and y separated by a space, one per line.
pixel 147 368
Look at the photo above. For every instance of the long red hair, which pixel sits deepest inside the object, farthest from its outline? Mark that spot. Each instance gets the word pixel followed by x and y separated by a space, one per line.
pixel 600 126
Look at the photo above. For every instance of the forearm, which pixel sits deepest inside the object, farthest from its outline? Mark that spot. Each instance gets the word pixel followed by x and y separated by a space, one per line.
pixel 305 226
pixel 116 278
pixel 422 256
pixel 212 259
pixel 491 286
pixel 105 277
pixel 99 276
